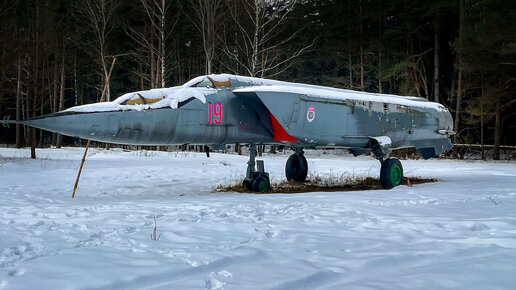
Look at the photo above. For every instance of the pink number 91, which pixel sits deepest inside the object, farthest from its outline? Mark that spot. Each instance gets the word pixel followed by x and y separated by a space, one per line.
pixel 214 113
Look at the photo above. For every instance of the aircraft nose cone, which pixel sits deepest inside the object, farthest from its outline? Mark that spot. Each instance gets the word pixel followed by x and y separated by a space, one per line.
pixel 70 124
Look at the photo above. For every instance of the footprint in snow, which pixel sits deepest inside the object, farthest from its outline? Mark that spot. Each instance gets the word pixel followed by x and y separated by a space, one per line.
pixel 271 234
pixel 16 272
pixel 38 224
pixel 217 280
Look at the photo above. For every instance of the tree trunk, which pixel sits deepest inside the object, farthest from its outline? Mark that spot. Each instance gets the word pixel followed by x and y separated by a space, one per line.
pixel 61 91
pixel 2 78
pixel 75 81
pixel 162 43
pixel 496 154
pixel 482 130
pixel 152 60
pixel 254 66
pixel 380 90
pixel 482 120
pixel 25 100
pixel 459 81
pixel 362 86
pixel 350 64
pixel 54 98
pixel 140 70
pixel 158 64
pixel 108 90
pixel 35 84
pixel 40 138
pixel 436 59
pixel 263 48
pixel 18 105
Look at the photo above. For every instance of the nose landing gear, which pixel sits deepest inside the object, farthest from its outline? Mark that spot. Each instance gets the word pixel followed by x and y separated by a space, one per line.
pixel 256 179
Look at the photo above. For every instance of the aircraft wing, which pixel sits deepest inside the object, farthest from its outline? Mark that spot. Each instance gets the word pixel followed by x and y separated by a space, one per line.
pixel 307 114
pixel 344 118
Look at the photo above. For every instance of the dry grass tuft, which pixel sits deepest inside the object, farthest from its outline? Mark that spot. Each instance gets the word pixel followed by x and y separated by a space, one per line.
pixel 318 183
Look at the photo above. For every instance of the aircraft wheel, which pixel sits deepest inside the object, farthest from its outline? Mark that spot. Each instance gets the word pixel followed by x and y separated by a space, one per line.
pixel 261 184
pixel 391 173
pixel 296 168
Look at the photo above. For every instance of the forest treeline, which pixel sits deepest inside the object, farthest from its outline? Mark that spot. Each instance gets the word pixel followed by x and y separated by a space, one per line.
pixel 55 54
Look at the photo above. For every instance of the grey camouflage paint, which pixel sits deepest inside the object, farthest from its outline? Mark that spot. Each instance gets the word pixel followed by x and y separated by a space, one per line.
pixel 315 121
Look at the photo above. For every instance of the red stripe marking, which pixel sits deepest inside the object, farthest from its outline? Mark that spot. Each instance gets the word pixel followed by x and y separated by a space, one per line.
pixel 279 133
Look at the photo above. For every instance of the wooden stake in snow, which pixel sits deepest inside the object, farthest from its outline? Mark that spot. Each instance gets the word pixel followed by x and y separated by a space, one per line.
pixel 80 169
pixel 88 144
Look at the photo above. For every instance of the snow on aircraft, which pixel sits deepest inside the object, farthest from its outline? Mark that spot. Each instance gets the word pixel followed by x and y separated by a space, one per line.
pixel 215 110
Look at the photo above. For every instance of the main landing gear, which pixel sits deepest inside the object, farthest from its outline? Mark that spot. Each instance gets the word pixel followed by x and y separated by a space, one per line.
pixel 296 168
pixel 256 178
pixel 391 172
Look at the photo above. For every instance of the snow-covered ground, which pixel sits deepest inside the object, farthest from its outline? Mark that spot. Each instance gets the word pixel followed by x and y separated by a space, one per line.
pixel 457 233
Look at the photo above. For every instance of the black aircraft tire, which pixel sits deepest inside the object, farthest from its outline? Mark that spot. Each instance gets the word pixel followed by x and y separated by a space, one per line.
pixel 261 184
pixel 296 168
pixel 391 173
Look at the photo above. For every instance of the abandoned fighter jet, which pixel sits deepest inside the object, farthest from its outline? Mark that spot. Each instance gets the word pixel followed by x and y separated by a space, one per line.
pixel 214 110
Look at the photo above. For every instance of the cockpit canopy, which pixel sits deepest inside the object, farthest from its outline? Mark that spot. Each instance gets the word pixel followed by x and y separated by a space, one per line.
pixel 211 81
pixel 156 95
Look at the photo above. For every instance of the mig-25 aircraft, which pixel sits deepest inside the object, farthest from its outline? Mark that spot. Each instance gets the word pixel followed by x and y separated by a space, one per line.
pixel 214 110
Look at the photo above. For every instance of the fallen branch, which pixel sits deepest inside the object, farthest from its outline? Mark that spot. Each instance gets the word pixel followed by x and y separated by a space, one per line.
pixel 153 235
pixel 494 201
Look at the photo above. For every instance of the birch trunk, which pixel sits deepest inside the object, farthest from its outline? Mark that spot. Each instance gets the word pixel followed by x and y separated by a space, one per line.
pixel 162 43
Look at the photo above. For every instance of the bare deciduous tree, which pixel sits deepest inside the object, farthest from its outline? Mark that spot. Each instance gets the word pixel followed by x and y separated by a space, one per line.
pixel 150 42
pixel 259 47
pixel 206 19
pixel 97 15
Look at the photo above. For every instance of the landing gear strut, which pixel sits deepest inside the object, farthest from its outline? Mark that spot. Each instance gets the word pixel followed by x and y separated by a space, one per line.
pixel 391 172
pixel 296 168
pixel 256 178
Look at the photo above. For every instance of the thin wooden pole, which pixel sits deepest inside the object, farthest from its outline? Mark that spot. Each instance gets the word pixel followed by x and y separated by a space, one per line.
pixel 80 169
pixel 88 144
